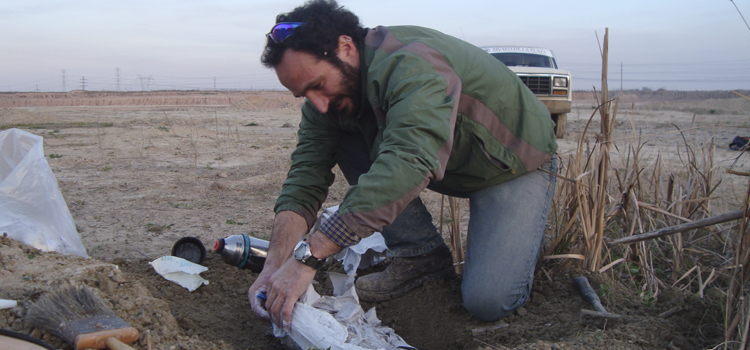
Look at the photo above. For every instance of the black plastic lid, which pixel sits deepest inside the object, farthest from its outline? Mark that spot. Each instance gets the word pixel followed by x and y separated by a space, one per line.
pixel 190 249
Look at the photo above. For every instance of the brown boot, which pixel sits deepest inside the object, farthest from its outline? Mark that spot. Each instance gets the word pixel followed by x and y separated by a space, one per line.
pixel 405 274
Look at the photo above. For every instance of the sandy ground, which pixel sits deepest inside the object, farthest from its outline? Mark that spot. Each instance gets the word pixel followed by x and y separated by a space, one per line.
pixel 137 178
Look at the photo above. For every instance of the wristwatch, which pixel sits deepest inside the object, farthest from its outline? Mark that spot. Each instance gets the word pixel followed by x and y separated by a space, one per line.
pixel 303 254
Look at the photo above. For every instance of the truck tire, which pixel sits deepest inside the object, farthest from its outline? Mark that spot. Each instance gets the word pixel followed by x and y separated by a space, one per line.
pixel 561 121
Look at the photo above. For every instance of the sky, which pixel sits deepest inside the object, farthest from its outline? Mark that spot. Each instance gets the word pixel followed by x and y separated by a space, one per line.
pixel 189 44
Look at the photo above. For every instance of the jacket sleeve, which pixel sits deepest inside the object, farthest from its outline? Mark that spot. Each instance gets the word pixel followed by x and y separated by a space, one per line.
pixel 416 111
pixel 306 186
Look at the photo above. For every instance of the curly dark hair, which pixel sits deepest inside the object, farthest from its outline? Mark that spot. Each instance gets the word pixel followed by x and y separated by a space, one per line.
pixel 324 22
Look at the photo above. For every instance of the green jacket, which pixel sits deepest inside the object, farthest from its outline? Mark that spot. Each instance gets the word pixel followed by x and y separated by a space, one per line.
pixel 437 112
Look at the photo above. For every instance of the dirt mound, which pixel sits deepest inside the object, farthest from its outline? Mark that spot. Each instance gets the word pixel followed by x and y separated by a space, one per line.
pixel 242 100
pixel 27 273
pixel 665 95
pixel 731 106
pixel 98 98
pixel 709 106
pixel 216 316
pixel 552 319
pixel 265 102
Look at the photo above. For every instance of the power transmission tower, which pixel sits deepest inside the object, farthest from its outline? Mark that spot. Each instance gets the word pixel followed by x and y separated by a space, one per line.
pixel 83 83
pixel 145 86
pixel 214 83
pixel 63 81
pixel 117 73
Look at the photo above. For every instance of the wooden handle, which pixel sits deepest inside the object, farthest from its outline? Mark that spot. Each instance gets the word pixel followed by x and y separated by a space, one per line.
pixel 97 340
pixel 114 344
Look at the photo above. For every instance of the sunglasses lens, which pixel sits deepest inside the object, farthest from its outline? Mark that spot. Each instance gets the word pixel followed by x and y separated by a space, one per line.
pixel 283 30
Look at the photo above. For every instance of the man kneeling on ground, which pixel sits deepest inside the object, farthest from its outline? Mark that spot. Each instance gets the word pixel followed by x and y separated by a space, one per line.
pixel 400 109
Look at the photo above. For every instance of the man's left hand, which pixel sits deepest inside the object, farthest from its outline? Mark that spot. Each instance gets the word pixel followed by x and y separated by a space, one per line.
pixel 285 287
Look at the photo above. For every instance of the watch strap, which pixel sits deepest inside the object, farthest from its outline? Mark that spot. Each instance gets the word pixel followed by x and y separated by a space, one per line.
pixel 313 262
pixel 310 260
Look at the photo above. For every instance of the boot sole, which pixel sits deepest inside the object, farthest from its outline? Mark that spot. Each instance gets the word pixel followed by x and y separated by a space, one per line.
pixel 377 296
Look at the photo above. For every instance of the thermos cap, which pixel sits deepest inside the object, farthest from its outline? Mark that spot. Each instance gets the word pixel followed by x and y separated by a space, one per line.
pixel 190 249
pixel 219 245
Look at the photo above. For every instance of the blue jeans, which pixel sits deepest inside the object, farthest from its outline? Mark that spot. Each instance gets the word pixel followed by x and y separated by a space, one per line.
pixel 506 230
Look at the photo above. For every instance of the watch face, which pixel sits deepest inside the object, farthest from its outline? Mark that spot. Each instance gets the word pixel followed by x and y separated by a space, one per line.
pixel 302 251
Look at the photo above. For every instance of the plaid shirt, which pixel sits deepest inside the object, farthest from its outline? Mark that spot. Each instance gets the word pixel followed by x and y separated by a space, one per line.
pixel 338 232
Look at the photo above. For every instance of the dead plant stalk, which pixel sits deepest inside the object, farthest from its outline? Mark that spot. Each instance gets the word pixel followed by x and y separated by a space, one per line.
pixel 592 195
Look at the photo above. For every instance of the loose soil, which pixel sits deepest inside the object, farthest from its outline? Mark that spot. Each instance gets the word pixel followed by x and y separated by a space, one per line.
pixel 140 172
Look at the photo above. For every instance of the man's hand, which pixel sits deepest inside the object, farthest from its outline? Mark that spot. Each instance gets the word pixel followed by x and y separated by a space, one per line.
pixel 288 229
pixel 284 279
pixel 260 286
pixel 285 287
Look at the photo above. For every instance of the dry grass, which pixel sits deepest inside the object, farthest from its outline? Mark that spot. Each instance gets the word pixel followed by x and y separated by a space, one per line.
pixel 598 203
pixel 454 229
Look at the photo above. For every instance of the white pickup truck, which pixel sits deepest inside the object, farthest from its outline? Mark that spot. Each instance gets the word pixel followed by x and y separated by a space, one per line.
pixel 537 69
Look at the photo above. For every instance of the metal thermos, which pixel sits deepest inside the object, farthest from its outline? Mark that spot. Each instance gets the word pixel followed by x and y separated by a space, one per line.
pixel 243 251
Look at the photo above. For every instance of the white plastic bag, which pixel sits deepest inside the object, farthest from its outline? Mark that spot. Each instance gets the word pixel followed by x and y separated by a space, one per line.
pixel 32 209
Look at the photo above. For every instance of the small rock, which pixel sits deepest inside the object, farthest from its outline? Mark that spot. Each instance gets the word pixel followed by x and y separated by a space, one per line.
pixel 36 333
pixel 116 276
pixel 16 325
pixel 107 285
pixel 521 311
pixel 222 175
pixel 537 297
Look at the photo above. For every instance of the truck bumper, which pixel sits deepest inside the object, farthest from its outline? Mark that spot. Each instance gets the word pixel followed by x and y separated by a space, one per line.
pixel 557 106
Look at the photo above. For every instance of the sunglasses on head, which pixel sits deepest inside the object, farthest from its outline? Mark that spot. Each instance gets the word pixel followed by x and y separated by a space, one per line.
pixel 282 30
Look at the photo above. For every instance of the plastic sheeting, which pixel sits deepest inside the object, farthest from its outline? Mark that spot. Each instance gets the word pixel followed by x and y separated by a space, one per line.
pixel 32 209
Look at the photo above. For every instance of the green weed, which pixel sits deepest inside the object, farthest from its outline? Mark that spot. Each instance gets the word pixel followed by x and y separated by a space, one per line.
pixel 647 299
pixel 233 222
pixel 604 290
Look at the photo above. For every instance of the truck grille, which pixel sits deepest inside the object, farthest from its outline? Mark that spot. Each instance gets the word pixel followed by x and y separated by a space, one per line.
pixel 537 85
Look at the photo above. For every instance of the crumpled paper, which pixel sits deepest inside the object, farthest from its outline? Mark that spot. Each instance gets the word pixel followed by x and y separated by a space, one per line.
pixel 180 271
pixel 338 322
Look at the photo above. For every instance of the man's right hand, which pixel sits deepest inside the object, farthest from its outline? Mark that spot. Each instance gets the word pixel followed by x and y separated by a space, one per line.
pixel 288 229
pixel 261 287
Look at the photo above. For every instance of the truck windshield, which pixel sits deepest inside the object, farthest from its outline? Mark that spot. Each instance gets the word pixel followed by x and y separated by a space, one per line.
pixel 526 60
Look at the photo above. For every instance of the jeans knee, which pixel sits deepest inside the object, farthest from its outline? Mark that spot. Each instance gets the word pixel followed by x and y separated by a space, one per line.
pixel 493 305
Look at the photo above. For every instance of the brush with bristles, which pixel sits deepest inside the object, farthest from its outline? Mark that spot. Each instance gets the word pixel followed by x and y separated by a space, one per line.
pixel 81 319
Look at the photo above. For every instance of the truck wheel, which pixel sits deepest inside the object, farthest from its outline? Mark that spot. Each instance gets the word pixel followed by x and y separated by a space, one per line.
pixel 561 121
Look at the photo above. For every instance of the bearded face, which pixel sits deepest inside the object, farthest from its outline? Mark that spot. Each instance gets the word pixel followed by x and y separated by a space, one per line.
pixel 331 84
pixel 347 103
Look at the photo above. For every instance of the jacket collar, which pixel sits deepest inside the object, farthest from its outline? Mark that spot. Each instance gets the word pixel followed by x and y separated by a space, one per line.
pixel 364 106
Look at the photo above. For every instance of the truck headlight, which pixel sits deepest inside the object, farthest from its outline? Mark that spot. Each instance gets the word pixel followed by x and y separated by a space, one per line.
pixel 560 82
